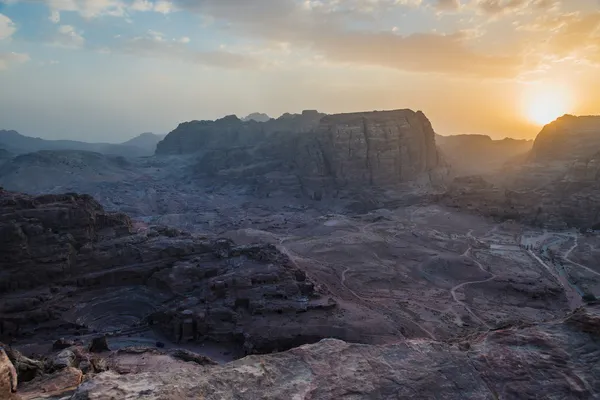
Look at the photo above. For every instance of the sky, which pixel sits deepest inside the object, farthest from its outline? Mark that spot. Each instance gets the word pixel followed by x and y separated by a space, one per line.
pixel 107 70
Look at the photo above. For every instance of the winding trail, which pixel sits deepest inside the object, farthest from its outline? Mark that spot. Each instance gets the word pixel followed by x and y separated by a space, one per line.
pixel 460 286
pixel 566 258
pixel 573 297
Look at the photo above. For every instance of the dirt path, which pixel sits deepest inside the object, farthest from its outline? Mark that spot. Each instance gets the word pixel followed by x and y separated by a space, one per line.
pixel 573 297
pixel 460 286
pixel 566 258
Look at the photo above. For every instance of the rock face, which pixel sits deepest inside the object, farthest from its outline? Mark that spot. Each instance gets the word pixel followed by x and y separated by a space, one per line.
pixel 319 153
pixel 41 236
pixel 568 138
pixel 68 267
pixel 230 133
pixel 377 148
pixel 557 358
pixel 8 376
pixel 557 184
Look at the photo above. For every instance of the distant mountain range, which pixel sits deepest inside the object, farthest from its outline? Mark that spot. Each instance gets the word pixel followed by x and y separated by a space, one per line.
pixel 258 117
pixel 142 145
pixel 479 154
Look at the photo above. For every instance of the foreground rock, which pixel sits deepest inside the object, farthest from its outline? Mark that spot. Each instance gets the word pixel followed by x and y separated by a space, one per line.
pixel 555 360
pixel 8 376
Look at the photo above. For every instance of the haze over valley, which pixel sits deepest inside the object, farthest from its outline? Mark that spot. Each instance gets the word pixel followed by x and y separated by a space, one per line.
pixel 322 236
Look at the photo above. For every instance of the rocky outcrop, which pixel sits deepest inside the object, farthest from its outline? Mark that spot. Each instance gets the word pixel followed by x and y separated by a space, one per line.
pixel 231 133
pixel 556 186
pixel 69 268
pixel 315 153
pixel 567 139
pixel 373 148
pixel 556 359
pixel 8 376
pixel 41 236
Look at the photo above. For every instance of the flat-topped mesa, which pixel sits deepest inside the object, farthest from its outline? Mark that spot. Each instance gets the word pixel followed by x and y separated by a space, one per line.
pixel 377 148
pixel 567 138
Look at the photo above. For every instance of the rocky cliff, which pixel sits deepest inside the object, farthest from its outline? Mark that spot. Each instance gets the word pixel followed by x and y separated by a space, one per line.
pixel 568 138
pixel 318 152
pixel 556 185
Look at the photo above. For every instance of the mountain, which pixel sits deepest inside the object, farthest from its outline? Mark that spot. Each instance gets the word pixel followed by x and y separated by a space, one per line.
pixel 258 117
pixel 16 143
pixel 567 139
pixel 479 154
pixel 146 141
pixel 556 184
pixel 322 153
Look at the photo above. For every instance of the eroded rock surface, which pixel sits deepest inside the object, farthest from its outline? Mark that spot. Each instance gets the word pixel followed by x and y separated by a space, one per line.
pixel 70 268
pixel 557 358
pixel 317 153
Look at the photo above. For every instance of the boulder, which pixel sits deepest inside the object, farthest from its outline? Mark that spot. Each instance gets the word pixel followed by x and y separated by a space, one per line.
pixel 8 376
pixel 64 359
pixel 56 385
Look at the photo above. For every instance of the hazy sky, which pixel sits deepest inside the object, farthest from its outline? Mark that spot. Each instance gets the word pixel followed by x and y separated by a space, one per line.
pixel 106 70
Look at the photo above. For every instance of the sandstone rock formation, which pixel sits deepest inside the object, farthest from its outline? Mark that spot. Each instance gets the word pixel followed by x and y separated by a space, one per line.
pixel 568 138
pixel 556 185
pixel 315 152
pixel 557 358
pixel 68 267
pixel 8 376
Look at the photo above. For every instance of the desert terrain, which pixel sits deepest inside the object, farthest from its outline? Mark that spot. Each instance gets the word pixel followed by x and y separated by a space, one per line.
pixel 231 249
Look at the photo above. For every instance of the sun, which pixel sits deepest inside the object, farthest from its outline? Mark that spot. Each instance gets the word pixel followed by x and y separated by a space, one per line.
pixel 544 103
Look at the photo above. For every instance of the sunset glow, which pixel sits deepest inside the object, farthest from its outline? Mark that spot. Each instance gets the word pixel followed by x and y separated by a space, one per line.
pixel 543 104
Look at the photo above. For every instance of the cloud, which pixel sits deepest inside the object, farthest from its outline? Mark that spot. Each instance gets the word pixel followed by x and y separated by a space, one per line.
pixel 497 7
pixel 9 59
pixel 447 5
pixel 89 8
pixel 7 27
pixel 54 16
pixel 326 29
pixel 155 45
pixel 67 36
pixel 160 6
